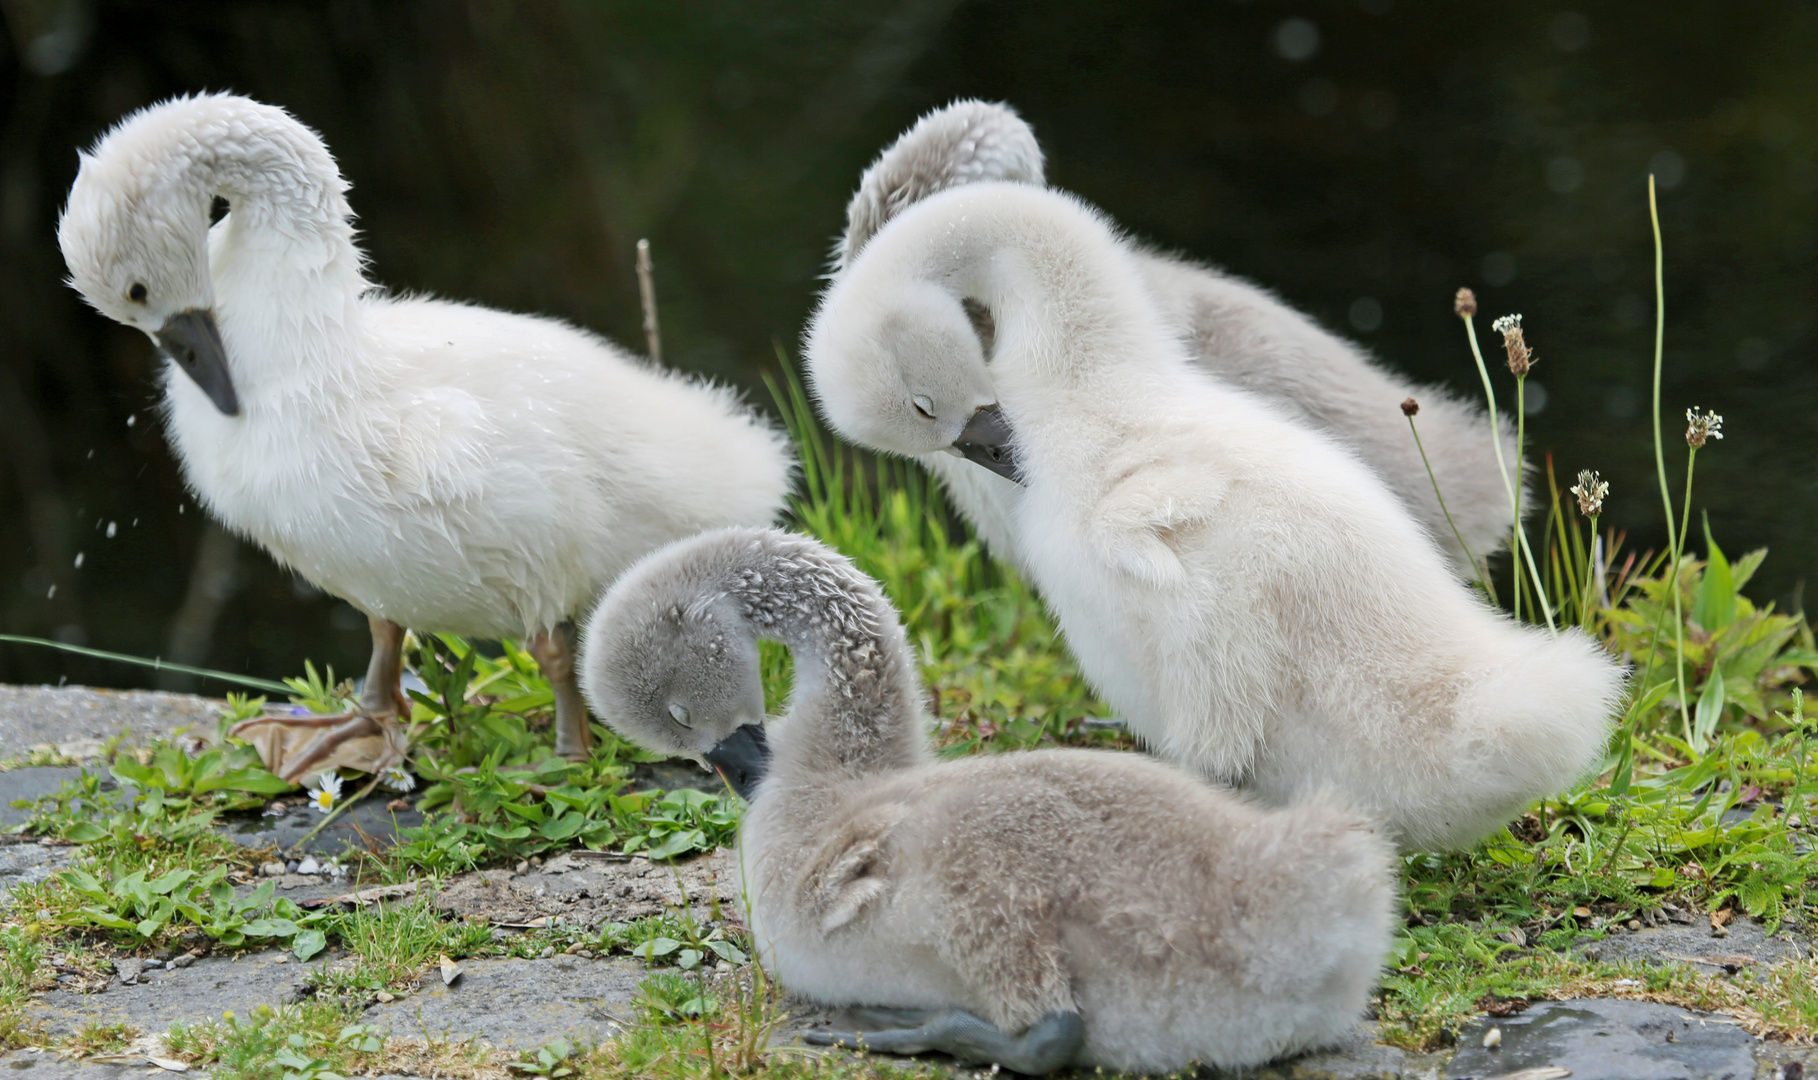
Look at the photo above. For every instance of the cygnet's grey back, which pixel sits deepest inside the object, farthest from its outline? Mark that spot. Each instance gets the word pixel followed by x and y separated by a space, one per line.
pixel 964 143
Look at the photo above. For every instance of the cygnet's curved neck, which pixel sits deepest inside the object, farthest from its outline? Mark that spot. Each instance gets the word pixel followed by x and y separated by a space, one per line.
pixel 856 707
pixel 1068 305
pixel 286 273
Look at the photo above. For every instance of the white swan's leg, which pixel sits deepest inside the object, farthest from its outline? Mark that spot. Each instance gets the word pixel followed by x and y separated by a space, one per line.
pixel 554 650
pixel 1050 1043
pixel 295 746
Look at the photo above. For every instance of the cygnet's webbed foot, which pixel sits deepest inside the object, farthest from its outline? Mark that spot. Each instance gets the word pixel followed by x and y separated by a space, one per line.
pixel 1050 1043
pixel 296 746
pixel 368 738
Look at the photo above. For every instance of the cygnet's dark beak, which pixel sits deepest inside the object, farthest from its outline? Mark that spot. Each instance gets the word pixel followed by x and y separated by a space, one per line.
pixel 986 440
pixel 194 341
pixel 743 758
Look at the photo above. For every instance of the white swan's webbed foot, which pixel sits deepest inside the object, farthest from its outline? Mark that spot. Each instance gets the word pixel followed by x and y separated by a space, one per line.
pixel 1050 1043
pixel 367 738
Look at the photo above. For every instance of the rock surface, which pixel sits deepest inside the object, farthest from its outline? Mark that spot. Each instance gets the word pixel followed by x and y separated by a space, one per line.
pixel 1632 1040
pixel 527 1003
pixel 76 721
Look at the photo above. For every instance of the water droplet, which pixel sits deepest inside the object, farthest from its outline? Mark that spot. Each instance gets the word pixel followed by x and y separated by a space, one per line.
pixel 52 594
pixel 112 528
pixel 131 420
pixel 80 555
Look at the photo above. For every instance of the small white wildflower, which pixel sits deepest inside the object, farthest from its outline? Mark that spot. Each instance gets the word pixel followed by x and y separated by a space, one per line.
pixel 1701 426
pixel 1506 324
pixel 398 778
pixel 326 793
pixel 1591 490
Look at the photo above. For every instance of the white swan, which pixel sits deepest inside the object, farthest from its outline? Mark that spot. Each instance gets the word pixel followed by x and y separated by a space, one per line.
pixel 1230 327
pixel 1032 909
pixel 1248 595
pixel 440 466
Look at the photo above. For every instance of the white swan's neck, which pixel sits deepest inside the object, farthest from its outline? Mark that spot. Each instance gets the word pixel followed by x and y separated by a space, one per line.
pixel 856 707
pixel 1069 307
pixel 286 273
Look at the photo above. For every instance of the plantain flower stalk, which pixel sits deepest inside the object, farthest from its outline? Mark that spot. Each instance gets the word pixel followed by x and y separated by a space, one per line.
pixel 1701 427
pixel 1464 305
pixel 1410 409
pixel 1591 490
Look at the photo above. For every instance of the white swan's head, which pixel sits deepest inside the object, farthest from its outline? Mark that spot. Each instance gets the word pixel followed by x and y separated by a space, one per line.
pixel 135 230
pixel 966 142
pixel 670 663
pixel 898 363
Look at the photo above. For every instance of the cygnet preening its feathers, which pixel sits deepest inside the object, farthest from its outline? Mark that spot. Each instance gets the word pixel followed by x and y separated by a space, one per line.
pixel 439 465
pixel 1252 598
pixel 1230 327
pixel 1035 909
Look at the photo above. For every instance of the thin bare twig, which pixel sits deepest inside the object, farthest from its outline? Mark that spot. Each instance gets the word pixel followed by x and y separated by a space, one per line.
pixel 647 294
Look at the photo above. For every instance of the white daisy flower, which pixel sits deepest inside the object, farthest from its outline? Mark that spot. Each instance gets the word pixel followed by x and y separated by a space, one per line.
pixel 326 793
pixel 397 777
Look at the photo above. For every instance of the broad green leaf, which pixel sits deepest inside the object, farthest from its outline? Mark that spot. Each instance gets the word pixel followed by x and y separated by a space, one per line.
pixel 655 947
pixel 732 954
pixel 563 827
pixel 107 919
pixel 165 884
pixel 1710 709
pixel 84 832
pixel 678 843
pixel 1715 605
pixel 308 943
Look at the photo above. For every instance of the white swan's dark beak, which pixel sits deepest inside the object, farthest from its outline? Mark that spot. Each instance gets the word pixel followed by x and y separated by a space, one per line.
pixel 194 341
pixel 986 440
pixel 743 758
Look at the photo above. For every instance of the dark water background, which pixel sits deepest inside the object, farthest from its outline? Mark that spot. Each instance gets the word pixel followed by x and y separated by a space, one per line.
pixel 1364 158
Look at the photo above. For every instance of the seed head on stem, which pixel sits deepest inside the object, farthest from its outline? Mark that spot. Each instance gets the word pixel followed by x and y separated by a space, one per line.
pixel 1521 358
pixel 1410 407
pixel 1701 426
pixel 1465 303
pixel 1591 490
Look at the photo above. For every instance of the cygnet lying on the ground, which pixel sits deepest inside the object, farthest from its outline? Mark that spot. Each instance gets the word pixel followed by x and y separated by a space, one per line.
pixel 1229 327
pixel 1031 909
pixel 1254 601
pixel 440 466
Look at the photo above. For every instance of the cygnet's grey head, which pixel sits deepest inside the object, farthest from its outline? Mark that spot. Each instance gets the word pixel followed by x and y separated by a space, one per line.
pixel 670 663
pixel 135 230
pixel 899 364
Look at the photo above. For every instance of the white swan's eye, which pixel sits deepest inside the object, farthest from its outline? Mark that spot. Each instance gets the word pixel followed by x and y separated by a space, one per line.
pixel 679 714
pixel 923 404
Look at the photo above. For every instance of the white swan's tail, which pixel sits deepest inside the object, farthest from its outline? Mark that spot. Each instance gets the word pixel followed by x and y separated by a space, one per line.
pixel 1527 725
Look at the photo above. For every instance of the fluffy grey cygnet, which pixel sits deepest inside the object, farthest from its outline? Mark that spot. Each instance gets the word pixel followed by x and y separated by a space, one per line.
pixel 1230 327
pixel 1247 594
pixel 1037 910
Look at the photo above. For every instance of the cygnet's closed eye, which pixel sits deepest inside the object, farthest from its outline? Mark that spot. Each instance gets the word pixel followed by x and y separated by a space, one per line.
pixel 680 715
pixel 924 405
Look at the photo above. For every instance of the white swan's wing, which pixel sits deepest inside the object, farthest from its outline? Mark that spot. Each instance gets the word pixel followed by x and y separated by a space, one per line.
pixel 437 450
pixel 1152 514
